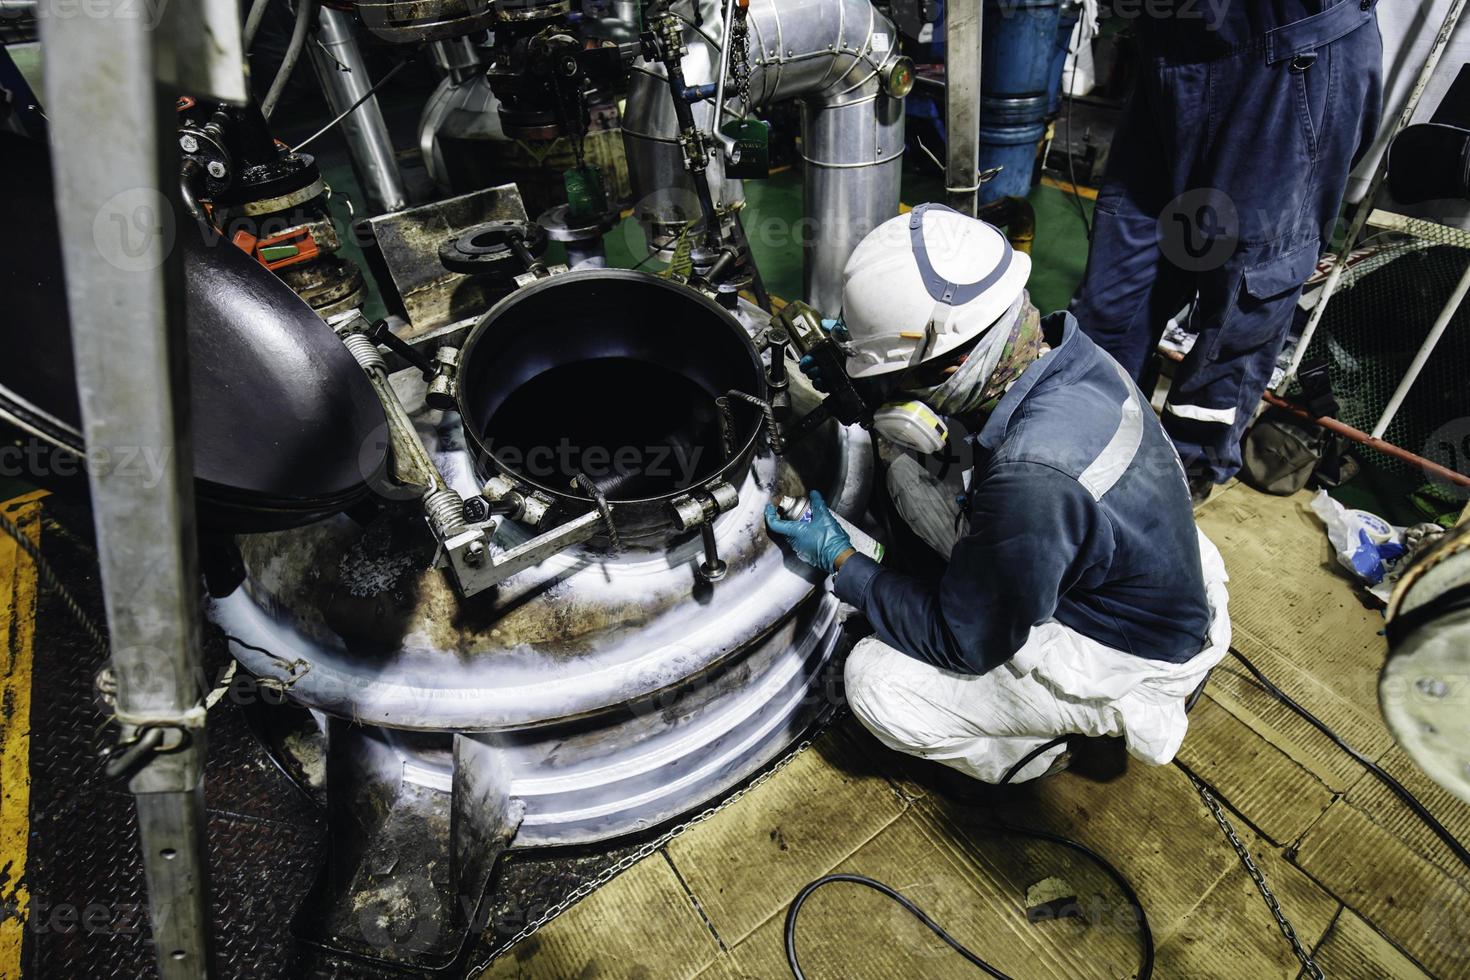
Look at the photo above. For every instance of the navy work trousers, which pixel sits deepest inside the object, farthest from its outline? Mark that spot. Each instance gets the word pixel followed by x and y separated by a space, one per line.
pixel 1224 183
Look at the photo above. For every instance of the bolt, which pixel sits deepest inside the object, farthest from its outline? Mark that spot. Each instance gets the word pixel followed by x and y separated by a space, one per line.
pixel 188 143
pixel 216 169
pixel 474 554
pixel 476 509
pixel 712 569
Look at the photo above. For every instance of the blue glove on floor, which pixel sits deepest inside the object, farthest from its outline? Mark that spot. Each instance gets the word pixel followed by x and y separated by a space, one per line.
pixel 818 541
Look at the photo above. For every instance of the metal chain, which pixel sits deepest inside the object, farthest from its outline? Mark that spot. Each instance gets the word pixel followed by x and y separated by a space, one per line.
pixel 739 61
pixel 647 850
pixel 1282 922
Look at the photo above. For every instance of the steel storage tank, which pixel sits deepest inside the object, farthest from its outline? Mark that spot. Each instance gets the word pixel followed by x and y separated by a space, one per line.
pixel 604 691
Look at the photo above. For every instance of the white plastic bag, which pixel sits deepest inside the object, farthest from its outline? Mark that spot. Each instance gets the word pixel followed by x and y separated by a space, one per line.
pixel 1366 545
pixel 1079 74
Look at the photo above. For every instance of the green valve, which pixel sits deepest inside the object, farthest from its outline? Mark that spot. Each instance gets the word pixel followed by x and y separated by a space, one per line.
pixel 586 196
pixel 750 156
pixel 273 253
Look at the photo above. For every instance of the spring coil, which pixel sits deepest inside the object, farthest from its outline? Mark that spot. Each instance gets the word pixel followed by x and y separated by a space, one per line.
pixel 365 352
pixel 445 510
pixel 585 484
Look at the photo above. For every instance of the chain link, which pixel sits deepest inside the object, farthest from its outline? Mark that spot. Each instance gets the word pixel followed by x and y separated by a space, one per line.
pixel 647 850
pixel 1282 922
pixel 739 61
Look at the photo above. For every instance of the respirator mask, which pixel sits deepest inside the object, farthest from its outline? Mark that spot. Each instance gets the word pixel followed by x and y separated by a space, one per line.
pixel 913 416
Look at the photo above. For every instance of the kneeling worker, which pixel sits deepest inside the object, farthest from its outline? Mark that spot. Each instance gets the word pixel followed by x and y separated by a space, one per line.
pixel 1079 597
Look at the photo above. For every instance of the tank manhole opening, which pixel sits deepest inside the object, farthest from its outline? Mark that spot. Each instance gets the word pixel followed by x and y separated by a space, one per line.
pixel 613 375
pixel 635 428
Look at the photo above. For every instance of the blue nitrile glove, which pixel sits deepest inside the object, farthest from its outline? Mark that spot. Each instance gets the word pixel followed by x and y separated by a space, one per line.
pixel 817 541
pixel 809 367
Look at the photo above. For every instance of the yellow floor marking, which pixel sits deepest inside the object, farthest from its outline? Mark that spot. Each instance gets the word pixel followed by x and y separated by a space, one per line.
pixel 1068 188
pixel 18 627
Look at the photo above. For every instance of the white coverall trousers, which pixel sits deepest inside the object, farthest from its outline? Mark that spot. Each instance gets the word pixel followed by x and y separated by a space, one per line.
pixel 1060 682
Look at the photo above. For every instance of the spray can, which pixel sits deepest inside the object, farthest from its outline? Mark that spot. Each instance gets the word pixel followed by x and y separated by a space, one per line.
pixel 800 509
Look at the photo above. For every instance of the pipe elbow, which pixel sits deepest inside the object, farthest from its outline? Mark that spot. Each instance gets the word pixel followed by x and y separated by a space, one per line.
pixel 823 51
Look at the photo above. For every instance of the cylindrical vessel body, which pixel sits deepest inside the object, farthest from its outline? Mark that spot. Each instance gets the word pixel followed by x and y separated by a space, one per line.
pixel 613 688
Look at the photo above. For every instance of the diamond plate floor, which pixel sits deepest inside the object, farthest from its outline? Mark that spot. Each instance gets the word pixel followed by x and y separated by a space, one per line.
pixel 88 912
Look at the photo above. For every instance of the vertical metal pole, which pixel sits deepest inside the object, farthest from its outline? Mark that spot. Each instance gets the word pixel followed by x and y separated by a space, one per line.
pixel 717 118
pixel 116 171
pixel 962 103
pixel 344 78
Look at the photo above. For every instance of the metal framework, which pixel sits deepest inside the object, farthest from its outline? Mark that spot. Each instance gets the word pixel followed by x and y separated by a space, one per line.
pixel 962 104
pixel 111 76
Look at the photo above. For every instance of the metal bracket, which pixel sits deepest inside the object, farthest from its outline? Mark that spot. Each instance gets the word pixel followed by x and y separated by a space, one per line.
pixel 546 272
pixel 699 509
pixel 444 386
pixel 491 570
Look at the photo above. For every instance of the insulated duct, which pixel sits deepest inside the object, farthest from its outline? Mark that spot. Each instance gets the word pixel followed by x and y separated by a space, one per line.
pixel 835 56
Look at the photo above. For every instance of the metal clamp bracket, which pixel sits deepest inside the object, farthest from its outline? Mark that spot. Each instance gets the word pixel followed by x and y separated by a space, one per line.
pixel 699 509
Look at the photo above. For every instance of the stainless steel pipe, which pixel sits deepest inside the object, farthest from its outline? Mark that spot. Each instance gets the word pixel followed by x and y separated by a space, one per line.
pixel 833 55
pixel 343 74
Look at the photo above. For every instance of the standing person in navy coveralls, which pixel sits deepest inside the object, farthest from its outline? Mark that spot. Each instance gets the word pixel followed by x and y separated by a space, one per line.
pixel 1224 183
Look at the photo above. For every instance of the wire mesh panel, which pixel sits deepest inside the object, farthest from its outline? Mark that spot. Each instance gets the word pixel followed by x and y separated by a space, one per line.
pixel 1373 325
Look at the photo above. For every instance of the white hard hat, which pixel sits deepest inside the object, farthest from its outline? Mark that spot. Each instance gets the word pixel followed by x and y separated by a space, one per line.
pixel 924 283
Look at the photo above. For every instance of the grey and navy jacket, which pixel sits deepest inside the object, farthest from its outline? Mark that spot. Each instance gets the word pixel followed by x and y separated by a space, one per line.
pixel 1078 511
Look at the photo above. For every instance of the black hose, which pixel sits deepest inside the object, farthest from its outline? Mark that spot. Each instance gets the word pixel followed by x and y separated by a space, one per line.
pixel 877 886
pixel 1146 938
pixel 1377 771
pixel 1011 773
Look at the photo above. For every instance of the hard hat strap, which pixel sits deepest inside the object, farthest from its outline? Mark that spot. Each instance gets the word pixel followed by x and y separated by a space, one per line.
pixel 941 289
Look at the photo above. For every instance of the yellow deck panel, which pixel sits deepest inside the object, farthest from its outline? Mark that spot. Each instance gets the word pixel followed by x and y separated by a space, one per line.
pixel 1353 951
pixel 745 865
pixel 1230 933
pixel 850 805
pixel 1257 777
pixel 852 932
pixel 641 924
pixel 18 626
pixel 1380 803
pixel 1418 907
